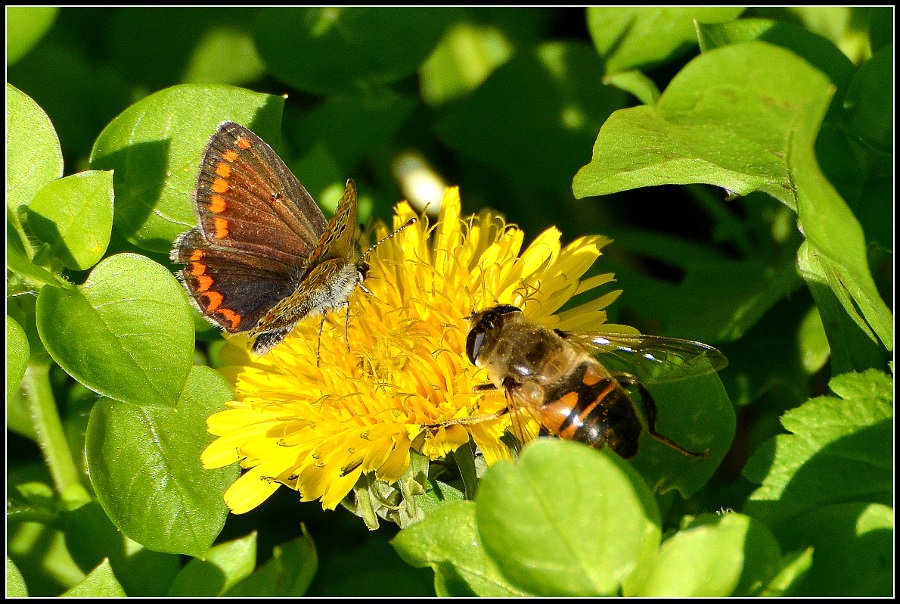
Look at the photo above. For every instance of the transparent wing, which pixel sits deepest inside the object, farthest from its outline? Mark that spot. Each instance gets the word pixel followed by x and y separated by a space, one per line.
pixel 653 359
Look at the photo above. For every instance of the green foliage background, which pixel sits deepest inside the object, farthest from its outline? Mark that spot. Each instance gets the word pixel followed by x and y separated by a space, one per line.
pixel 740 159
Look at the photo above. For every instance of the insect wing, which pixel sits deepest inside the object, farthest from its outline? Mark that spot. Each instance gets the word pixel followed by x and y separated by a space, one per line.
pixel 247 199
pixel 258 228
pixel 339 236
pixel 654 359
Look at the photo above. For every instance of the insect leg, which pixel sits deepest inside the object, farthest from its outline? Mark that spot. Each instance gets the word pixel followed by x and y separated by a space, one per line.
pixel 649 407
pixel 347 325
pixel 319 345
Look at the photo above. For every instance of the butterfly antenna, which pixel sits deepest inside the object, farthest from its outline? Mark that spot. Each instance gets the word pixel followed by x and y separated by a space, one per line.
pixel 409 222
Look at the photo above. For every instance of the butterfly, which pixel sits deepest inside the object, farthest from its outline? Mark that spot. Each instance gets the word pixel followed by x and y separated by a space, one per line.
pixel 263 256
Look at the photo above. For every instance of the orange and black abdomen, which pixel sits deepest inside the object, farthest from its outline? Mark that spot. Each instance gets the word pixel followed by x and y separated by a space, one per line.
pixel 591 407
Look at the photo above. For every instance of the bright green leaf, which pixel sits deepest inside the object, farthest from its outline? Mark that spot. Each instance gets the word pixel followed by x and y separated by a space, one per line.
pixel 33 155
pixel 15 584
pixel 816 50
pixel 100 583
pixel 447 541
pixel 643 37
pixel 834 441
pixel 74 215
pixel 25 26
pixel 144 464
pixel 725 119
pixel 337 50
pixel 637 83
pixel 219 569
pixel 155 147
pixel 715 556
pixel 566 520
pixel 126 333
pixel 17 353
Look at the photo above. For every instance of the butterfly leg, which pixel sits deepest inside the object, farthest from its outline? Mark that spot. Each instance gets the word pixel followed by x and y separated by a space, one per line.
pixel 347 324
pixel 649 407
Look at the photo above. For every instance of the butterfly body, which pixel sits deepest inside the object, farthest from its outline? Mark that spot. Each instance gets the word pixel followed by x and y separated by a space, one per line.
pixel 263 256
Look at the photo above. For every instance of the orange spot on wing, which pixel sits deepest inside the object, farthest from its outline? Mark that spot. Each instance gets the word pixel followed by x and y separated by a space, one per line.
pixel 243 143
pixel 215 300
pixel 196 255
pixel 220 185
pixel 230 155
pixel 223 169
pixel 217 204
pixel 231 316
pixel 197 268
pixel 221 228
pixel 204 282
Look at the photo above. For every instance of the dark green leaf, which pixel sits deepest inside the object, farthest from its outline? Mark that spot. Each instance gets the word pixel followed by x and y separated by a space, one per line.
pixel 540 139
pixel 287 575
pixel 870 100
pixel 347 49
pixel 126 333
pixel 853 550
pixel 144 464
pixel 219 569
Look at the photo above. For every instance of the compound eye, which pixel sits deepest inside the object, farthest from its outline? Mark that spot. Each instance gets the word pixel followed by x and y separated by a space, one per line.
pixel 474 342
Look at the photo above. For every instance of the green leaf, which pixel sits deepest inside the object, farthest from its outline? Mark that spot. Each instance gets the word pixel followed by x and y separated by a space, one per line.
pixel 448 541
pixel 794 567
pixel 339 50
pixel 25 26
pixel 286 575
pixel 155 147
pixel 840 440
pixel 126 333
pixel 33 155
pixel 643 37
pixel 208 45
pixel 853 550
pixel 100 583
pixel 714 556
pixel 870 100
pixel 562 505
pixel 834 234
pixel 696 414
pixel 819 52
pixel 144 464
pixel 15 584
pixel 91 537
pixel 635 82
pixel 17 353
pixel 534 138
pixel 219 569
pixel 74 215
pixel 726 119
pixel 465 57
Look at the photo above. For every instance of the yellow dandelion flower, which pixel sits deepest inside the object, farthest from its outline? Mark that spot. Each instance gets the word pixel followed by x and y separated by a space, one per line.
pixel 317 429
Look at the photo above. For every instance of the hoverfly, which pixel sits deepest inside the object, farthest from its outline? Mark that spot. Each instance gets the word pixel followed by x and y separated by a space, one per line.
pixel 556 376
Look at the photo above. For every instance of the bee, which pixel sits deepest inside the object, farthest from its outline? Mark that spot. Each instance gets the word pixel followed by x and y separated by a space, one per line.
pixel 556 376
